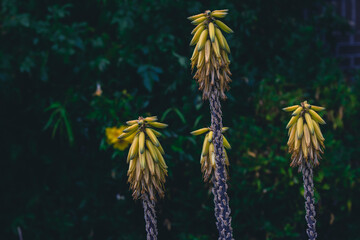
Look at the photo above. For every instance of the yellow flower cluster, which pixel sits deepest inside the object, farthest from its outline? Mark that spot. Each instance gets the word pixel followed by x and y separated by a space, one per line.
pixel 207 159
pixel 211 51
pixel 147 167
pixel 112 134
pixel 306 142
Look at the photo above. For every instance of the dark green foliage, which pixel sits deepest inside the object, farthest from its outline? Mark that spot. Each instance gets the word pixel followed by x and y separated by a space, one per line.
pixel 61 179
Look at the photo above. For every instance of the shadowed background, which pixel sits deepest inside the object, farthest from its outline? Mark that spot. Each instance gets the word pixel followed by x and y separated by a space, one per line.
pixel 62 180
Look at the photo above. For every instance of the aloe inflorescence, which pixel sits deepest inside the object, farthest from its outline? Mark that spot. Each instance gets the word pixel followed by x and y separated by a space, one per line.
pixel 207 158
pixel 210 57
pixel 147 167
pixel 306 144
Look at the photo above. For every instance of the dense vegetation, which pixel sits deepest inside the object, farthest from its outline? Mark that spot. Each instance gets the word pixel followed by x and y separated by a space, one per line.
pixel 62 180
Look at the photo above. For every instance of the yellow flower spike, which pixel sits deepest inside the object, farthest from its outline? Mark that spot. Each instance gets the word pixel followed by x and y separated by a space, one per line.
pixel 207 157
pixel 147 168
pixel 212 64
pixel 305 142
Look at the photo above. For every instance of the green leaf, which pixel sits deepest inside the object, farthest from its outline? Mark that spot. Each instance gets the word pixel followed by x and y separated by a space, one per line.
pixel 197 120
pixel 167 111
pixel 181 116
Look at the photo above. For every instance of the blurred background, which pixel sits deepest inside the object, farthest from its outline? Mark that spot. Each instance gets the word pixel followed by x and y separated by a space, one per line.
pixel 69 70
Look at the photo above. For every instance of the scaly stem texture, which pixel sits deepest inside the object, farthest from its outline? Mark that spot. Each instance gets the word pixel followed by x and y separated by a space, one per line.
pixel 307 172
pixel 221 199
pixel 150 217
